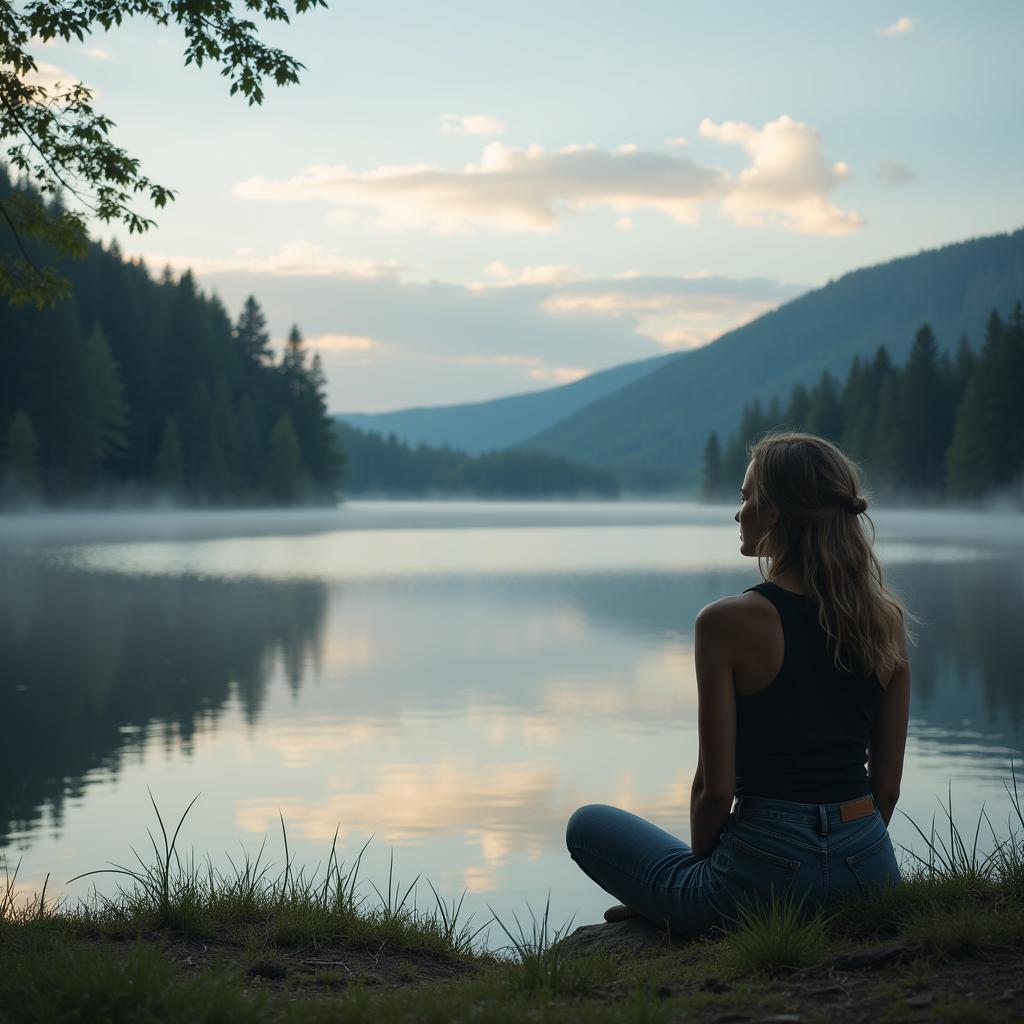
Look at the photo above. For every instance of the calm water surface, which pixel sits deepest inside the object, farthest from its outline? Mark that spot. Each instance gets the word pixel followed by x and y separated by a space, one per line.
pixel 453 679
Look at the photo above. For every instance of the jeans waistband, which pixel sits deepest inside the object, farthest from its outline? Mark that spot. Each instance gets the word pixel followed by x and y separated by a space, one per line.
pixel 824 815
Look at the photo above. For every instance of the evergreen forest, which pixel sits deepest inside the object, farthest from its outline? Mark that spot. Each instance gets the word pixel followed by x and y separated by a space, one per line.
pixel 938 428
pixel 386 466
pixel 135 388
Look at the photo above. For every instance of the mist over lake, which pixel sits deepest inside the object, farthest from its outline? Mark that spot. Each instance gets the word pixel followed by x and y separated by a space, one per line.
pixel 450 678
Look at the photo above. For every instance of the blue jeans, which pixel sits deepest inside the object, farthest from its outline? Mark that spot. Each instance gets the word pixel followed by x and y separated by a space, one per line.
pixel 767 846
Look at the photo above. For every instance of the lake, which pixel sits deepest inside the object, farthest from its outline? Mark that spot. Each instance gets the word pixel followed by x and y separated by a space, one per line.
pixel 452 679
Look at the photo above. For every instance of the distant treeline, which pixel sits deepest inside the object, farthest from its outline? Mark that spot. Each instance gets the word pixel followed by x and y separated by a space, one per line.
pixel 134 387
pixel 384 465
pixel 937 427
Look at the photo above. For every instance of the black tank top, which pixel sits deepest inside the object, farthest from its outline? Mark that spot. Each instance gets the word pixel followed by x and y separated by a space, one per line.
pixel 804 737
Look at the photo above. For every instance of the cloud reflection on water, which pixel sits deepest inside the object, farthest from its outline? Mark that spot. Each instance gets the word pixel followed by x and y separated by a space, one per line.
pixel 465 713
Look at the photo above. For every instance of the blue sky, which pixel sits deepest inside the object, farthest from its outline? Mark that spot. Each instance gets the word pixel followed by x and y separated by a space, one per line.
pixel 465 200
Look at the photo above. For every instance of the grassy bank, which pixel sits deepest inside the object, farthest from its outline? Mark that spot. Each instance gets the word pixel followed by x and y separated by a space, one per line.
pixel 184 942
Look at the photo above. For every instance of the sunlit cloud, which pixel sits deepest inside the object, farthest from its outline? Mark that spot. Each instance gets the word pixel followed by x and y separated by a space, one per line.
pixel 343 343
pixel 510 189
pixel 296 258
pixel 471 124
pixel 900 27
pixel 533 189
pixel 625 223
pixel 894 173
pixel 677 313
pixel 55 80
pixel 544 274
pixel 790 179
pixel 96 53
pixel 676 140
pixel 517 328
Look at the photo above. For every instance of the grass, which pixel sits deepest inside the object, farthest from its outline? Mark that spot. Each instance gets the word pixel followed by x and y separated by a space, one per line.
pixel 182 941
pixel 776 935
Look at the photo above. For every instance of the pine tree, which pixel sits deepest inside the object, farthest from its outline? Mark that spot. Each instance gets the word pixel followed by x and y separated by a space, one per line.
pixel 712 488
pixel 19 466
pixel 883 443
pixel 922 428
pixel 824 416
pixel 1010 439
pixel 168 468
pixel 106 414
pixel 796 412
pixel 293 361
pixel 287 479
pixel 962 367
pixel 252 335
pixel 250 448
pixel 853 395
pixel 971 462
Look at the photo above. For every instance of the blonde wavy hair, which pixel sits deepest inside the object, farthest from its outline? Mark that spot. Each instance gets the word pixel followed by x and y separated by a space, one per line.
pixel 811 496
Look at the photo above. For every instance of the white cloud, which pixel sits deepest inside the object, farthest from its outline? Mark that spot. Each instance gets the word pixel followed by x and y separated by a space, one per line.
pixel 531 189
pixel 388 340
pixel 54 79
pixel 675 312
pixel 343 343
pixel 96 53
pixel 341 217
pixel 789 181
pixel 542 274
pixel 296 258
pixel 676 140
pixel 625 223
pixel 471 124
pixel 900 27
pixel 509 189
pixel 895 173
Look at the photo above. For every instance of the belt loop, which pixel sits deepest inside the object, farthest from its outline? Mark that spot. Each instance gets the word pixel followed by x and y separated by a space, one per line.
pixel 823 814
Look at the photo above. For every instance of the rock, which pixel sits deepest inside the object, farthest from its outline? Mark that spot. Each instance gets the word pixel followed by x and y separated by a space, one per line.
pixel 636 935
pixel 920 1002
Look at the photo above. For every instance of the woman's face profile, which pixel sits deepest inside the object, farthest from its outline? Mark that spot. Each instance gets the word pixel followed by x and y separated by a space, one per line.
pixel 751 521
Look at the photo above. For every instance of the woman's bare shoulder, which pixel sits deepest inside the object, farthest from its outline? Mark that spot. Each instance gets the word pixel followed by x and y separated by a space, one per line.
pixel 735 609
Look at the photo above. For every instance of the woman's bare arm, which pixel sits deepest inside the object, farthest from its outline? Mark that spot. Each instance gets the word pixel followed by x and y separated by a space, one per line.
pixel 889 740
pixel 714 783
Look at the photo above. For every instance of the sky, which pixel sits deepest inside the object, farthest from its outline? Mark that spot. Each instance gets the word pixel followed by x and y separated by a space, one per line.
pixel 466 200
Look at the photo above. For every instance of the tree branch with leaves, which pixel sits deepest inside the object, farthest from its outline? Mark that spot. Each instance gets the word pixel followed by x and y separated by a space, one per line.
pixel 55 140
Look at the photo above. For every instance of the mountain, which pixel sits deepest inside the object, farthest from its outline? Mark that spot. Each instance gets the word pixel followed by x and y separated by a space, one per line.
pixel 661 422
pixel 503 422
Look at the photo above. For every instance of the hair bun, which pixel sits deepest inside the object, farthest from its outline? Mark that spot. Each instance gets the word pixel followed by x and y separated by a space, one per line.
pixel 856 505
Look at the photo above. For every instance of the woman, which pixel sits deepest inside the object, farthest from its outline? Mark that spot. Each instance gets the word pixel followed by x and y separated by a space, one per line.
pixel 803 687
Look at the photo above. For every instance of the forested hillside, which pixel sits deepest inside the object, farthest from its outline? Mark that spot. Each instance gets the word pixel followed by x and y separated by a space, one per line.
pixel 385 466
pixel 938 427
pixel 663 420
pixel 135 387
pixel 502 422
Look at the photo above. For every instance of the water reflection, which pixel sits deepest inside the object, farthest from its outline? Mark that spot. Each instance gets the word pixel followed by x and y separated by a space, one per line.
pixel 93 665
pixel 466 713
